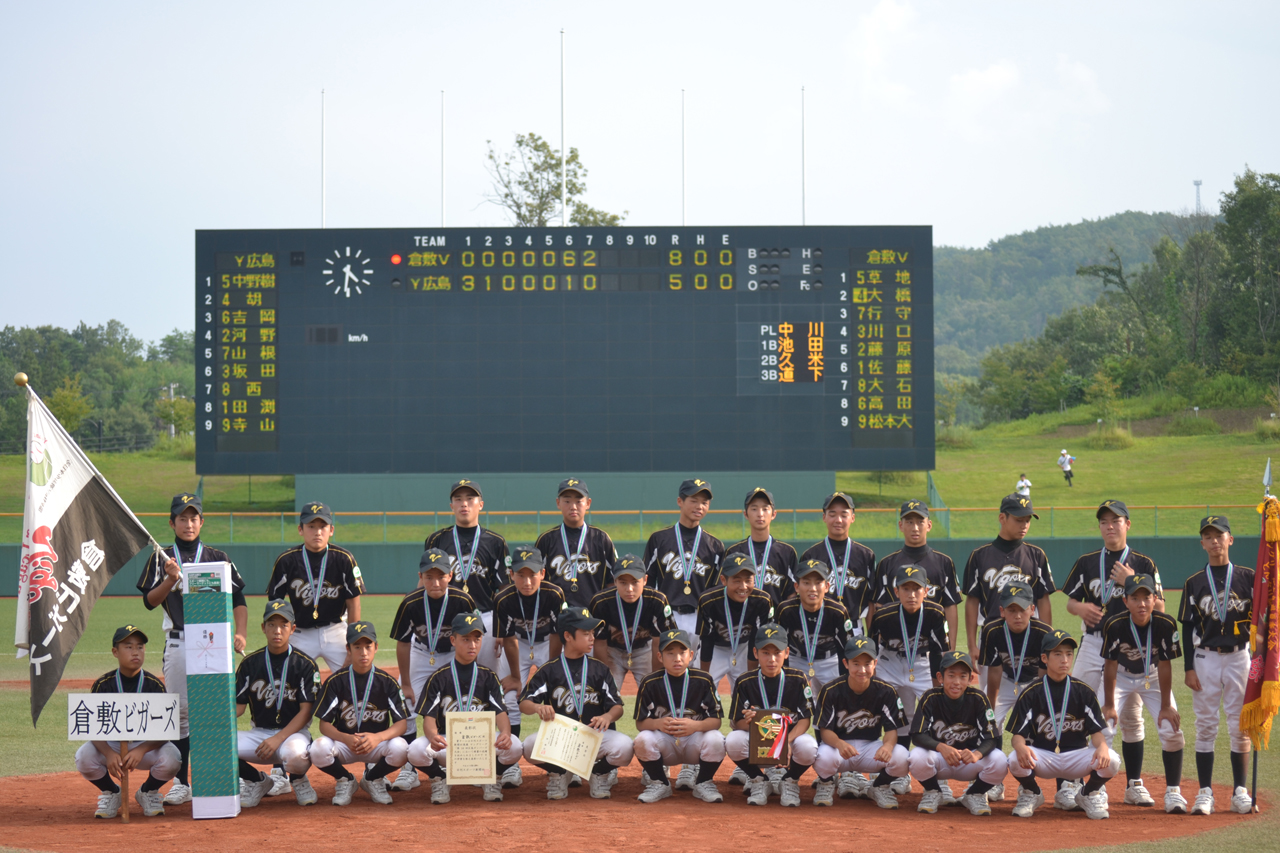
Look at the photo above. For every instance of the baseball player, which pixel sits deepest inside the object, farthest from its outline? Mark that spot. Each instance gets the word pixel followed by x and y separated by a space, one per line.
pixel 579 687
pixel 1064 462
pixel 773 686
pixel 728 618
pixel 579 558
pixel 362 717
pixel 323 583
pixel 852 714
pixel 772 559
pixel 277 685
pixel 161 586
pixel 684 560
pixel 852 564
pixel 524 618
pixel 1058 732
pixel 1139 646
pixel 462 685
pixel 421 629
pixel 99 761
pixel 955 736
pixel 817 625
pixel 1217 607
pixel 940 571
pixel 677 717
pixel 631 616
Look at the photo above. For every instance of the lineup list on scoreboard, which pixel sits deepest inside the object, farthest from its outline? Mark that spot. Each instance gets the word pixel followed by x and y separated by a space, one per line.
pixel 240 408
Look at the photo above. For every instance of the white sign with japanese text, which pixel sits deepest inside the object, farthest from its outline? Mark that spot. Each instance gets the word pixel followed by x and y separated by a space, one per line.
pixel 122 716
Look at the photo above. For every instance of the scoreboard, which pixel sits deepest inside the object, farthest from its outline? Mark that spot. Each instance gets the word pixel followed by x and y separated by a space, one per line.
pixel 628 349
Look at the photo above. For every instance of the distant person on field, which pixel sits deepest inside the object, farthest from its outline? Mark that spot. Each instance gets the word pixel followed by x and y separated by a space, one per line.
pixel 1024 486
pixel 1064 462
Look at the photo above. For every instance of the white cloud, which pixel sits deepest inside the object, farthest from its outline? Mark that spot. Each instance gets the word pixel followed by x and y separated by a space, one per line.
pixel 878 48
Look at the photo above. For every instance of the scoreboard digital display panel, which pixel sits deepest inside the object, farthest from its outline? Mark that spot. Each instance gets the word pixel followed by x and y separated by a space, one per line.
pixel 630 349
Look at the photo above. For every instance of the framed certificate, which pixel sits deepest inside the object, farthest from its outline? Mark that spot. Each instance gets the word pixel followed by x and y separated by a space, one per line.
pixel 472 759
pixel 567 743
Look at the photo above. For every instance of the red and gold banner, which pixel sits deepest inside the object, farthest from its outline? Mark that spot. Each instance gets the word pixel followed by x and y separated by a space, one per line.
pixel 1262 693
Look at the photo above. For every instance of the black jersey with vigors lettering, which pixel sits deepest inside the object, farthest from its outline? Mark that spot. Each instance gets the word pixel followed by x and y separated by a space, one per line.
pixel 788 690
pixel 667 562
pixel 1160 635
pixel 338 706
pixel 831 623
pixel 442 695
pixel 860 716
pixel 552 685
pixel 1200 612
pixel 590 568
pixel 482 568
pixel 854 587
pixel 775 564
pixel 416 608
pixel 992 567
pixel 962 723
pixel 1091 575
pixel 260 686
pixel 339 582
pixel 747 616
pixel 698 702
pixel 931 622
pixel 1031 716
pixel 517 615
pixel 1025 654
pixel 653 619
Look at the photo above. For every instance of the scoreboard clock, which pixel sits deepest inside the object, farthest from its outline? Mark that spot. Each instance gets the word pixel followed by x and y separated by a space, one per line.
pixel 332 351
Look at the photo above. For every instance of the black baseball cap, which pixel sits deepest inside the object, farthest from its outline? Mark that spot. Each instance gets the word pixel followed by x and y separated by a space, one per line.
pixel 313 510
pixel 1117 507
pixel 757 492
pixel 858 646
pixel 358 630
pixel 914 507
pixel 837 496
pixel 526 558
pixel 434 558
pixel 1055 638
pixel 125 632
pixel 467 622
pixel 956 658
pixel 1217 522
pixel 577 619
pixel 674 636
pixel 629 564
pixel 279 607
pixel 1019 506
pixel 689 488
pixel 465 484
pixel 813 567
pixel 1133 583
pixel 1017 592
pixel 771 634
pixel 736 564
pixel 183 501
pixel 573 484
pixel 910 573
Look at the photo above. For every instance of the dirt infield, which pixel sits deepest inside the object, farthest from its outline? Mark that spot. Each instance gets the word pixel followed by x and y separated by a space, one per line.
pixel 55 813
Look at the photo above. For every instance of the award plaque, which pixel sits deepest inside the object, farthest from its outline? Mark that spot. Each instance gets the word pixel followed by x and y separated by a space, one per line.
pixel 768 742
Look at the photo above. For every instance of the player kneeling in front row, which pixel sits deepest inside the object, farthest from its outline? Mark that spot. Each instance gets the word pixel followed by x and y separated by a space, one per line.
pixel 362 718
pixel 954 735
pixel 579 687
pixel 463 685
pixel 852 714
pixel 1058 733
pixel 278 685
pixel 678 722
pixel 99 760
pixel 1137 645
pixel 774 688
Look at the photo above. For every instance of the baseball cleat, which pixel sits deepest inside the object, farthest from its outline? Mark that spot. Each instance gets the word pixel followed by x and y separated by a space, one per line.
pixel 852 786
pixel 511 777
pixel 757 791
pixel 901 786
pixel 929 802
pixel 108 805
pixel 1136 794
pixel 179 793
pixel 439 791
pixel 1241 802
pixel 612 778
pixel 976 804
pixel 280 783
pixel 302 790
pixel 655 791
pixel 558 785
pixel 599 783
pixel 687 778
pixel 1095 805
pixel 406 780
pixel 884 796
pixel 251 793
pixel 342 791
pixel 1204 802
pixel 1027 803
pixel 376 789
pixel 822 796
pixel 790 796
pixel 1065 799
pixel 996 794
pixel 738 778
pixel 150 802
pixel 1174 802
pixel 707 792
pixel 575 781
pixel 774 775
pixel 491 793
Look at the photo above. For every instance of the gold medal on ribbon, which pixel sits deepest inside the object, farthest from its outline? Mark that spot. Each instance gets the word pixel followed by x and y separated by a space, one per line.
pixel 530 654
pixel 574 588
pixel 465 588
pixel 431 661
pixel 811 671
pixel 733 661
pixel 628 661
pixel 315 613
pixel 1146 685
pixel 688 590
pixel 911 677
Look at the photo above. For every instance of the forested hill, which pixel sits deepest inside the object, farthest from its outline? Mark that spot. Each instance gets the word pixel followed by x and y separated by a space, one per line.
pixel 1006 291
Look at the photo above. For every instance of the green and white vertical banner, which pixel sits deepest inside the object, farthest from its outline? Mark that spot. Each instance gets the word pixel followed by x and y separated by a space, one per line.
pixel 211 702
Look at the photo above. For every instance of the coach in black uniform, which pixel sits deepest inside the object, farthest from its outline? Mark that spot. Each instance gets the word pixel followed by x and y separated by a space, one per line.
pixel 772 559
pixel 579 558
pixel 684 560
pixel 852 564
pixel 940 571
pixel 161 586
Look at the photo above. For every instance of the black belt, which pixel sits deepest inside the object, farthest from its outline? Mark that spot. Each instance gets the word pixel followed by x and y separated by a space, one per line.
pixel 685 609
pixel 175 635
pixel 1222 650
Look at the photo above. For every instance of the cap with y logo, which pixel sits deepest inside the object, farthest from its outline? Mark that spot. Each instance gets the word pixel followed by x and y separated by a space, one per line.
pixel 577 619
pixel 813 567
pixel 919 508
pixel 858 646
pixel 1133 583
pixel 1117 507
pixel 467 623
pixel 125 632
pixel 674 636
pixel 312 511
pixel 434 558
pixel 465 484
pixel 526 558
pixel 837 496
pixel 956 658
pixel 1217 522
pixel 629 564
pixel 182 502
pixel 910 574
pixel 573 484
pixel 1055 638
pixel 279 607
pixel 1017 592
pixel 689 488
pixel 1018 506
pixel 771 634
pixel 757 492
pixel 361 630
pixel 736 564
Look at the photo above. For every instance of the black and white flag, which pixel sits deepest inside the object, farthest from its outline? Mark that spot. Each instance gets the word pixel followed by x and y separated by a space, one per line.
pixel 76 534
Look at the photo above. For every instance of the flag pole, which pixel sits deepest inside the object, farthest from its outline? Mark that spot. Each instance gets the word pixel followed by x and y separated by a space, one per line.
pixel 1266 494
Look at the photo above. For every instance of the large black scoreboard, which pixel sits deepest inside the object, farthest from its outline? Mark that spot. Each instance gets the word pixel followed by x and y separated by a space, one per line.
pixel 348 351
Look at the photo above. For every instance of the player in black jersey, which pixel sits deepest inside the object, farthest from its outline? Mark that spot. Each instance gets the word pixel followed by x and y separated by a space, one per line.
pixel 1010 648
pixel 161 586
pixel 775 687
pixel 462 685
pixel 817 625
pixel 773 560
pixel 728 617
pixel 1058 733
pixel 955 736
pixel 678 716
pixel 853 713
pixel 362 717
pixel 912 636
pixel 684 560
pixel 421 629
pixel 524 618
pixel 277 684
pixel 1138 646
pixel 1216 613
pixel 632 616
pixel 915 524
pixel 852 564
pixel 1007 558
pixel 99 760
pixel 579 687
pixel 579 558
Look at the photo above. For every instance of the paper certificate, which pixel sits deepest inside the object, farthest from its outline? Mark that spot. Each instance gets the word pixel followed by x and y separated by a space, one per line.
pixel 569 744
pixel 471 756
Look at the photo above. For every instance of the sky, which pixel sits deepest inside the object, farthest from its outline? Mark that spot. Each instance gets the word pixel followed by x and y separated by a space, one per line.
pixel 125 127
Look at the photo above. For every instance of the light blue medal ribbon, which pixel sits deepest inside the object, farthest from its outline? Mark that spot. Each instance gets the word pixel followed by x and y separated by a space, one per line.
pixel 629 636
pixel 1108 586
pixel 1146 653
pixel 120 684
pixel 677 711
pixel 1223 603
pixel 284 674
pixel 532 633
pixel 686 566
pixel 842 576
pixel 457 685
pixel 1058 721
pixel 361 703
pixel 764 693
pixel 811 643
pixel 763 565
pixel 1017 662
pixel 735 638
pixel 911 648
pixel 577 696
pixel 465 567
pixel 572 557
pixel 433 634
pixel 177 555
pixel 316 583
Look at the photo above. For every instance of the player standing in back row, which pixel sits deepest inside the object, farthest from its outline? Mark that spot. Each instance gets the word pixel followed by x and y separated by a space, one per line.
pixel 773 560
pixel 683 560
pixel 852 564
pixel 939 569
pixel 579 558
